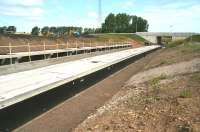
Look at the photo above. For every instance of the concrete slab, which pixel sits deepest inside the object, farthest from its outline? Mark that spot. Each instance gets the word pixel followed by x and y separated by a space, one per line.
pixel 17 87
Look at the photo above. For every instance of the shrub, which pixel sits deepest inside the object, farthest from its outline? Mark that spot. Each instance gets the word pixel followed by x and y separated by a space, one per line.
pixel 185 94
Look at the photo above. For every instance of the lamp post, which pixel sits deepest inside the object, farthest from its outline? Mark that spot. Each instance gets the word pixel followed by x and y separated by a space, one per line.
pixel 171 30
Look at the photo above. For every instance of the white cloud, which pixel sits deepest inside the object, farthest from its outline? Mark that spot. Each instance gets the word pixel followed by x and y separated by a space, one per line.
pixel 127 4
pixel 23 2
pixel 92 14
pixel 182 17
pixel 29 9
pixel 22 12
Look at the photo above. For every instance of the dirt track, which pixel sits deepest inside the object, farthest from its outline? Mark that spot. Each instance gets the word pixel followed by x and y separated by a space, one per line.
pixel 70 113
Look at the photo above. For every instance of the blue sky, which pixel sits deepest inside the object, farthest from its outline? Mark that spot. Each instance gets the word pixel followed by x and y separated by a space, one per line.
pixel 162 15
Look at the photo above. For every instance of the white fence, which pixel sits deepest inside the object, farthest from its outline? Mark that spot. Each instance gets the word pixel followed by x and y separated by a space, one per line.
pixel 11 51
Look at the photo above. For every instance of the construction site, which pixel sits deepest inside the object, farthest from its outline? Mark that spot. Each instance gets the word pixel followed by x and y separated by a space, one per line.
pixel 109 78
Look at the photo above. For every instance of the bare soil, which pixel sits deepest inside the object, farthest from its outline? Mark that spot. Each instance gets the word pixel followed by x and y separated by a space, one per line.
pixel 162 99
pixel 21 42
pixel 158 104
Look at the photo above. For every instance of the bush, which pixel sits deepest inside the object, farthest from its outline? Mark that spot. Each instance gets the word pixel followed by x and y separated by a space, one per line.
pixel 194 38
pixel 185 94
pixel 175 43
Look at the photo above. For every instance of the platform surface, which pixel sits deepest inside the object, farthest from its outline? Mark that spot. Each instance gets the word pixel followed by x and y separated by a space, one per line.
pixel 17 87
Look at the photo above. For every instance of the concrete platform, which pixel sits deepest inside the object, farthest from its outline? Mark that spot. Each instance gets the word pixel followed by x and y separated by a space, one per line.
pixel 20 86
pixel 40 55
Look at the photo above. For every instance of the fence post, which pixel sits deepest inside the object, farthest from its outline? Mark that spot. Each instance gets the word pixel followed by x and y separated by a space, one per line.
pixel 10 51
pixel 110 43
pixel 90 47
pixel 67 49
pixel 44 48
pixel 95 46
pixel 57 50
pixel 76 47
pixel 29 52
pixel 83 47
pixel 106 46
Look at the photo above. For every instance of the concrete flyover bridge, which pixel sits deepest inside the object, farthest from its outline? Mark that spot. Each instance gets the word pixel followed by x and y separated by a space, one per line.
pixel 164 37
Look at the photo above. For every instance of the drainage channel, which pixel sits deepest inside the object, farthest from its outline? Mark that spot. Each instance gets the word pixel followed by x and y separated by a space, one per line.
pixel 16 115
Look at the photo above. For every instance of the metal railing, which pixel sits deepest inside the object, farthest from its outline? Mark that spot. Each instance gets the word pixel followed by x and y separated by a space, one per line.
pixel 10 50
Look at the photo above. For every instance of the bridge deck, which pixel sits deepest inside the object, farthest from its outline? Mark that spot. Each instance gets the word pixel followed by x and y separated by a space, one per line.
pixel 17 87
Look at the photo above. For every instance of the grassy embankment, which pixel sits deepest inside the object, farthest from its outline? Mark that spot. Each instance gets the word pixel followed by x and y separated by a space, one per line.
pixel 119 37
pixel 177 51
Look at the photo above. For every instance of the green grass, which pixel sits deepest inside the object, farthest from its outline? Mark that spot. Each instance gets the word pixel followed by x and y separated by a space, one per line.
pixel 151 99
pixel 187 42
pixel 191 48
pixel 175 43
pixel 166 62
pixel 185 94
pixel 186 46
pixel 118 37
pixel 156 80
pixel 195 77
pixel 154 83
pixel 136 37
pixel 194 38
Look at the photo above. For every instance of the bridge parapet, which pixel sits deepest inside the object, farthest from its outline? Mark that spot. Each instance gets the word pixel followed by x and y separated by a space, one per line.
pixel 156 37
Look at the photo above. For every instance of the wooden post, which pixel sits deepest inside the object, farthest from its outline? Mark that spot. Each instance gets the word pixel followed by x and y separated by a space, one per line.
pixel 10 51
pixel 90 47
pixel 29 52
pixel 76 47
pixel 57 50
pixel 67 49
pixel 44 48
pixel 109 46
pixel 83 47
pixel 105 49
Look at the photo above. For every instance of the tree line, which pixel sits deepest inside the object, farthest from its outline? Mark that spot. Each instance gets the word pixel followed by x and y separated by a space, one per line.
pixel 119 23
pixel 9 29
pixel 56 31
pixel 124 23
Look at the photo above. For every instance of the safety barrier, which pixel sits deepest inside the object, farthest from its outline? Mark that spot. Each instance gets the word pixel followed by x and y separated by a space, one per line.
pixel 47 51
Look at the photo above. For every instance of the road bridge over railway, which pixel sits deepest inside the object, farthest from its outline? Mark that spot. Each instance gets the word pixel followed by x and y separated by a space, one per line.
pixel 162 37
